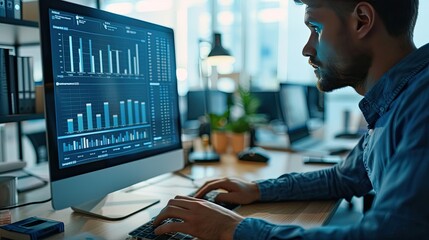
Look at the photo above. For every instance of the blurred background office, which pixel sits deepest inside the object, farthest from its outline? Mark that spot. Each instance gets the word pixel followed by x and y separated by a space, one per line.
pixel 264 36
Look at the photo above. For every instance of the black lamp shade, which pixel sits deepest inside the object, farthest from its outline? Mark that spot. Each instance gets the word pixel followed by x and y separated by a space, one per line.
pixel 218 49
pixel 219 55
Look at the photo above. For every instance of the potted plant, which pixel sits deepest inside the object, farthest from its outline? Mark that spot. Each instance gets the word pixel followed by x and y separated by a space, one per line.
pixel 219 137
pixel 245 118
pixel 236 122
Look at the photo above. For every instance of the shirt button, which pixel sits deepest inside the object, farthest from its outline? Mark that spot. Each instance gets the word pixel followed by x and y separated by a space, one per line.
pixel 382 109
pixel 370 131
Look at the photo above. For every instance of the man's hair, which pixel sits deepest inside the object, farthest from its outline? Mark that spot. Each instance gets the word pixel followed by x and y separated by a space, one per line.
pixel 398 16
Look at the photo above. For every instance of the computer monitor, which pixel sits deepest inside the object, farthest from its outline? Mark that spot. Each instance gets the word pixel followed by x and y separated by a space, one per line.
pixel 315 102
pixel 217 103
pixel 294 109
pixel 111 106
pixel 269 104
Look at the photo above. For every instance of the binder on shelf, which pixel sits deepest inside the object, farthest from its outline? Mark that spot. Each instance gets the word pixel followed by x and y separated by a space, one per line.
pixel 20 83
pixel 31 91
pixel 13 92
pixel 4 98
pixel 2 8
pixel 26 77
pixel 26 91
pixel 10 13
pixel 17 9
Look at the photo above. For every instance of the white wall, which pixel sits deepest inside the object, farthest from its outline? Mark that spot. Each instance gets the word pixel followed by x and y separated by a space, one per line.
pixel 298 68
pixel 421 33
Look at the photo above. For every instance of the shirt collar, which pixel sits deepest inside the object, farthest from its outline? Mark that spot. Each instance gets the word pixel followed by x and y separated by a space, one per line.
pixel 377 101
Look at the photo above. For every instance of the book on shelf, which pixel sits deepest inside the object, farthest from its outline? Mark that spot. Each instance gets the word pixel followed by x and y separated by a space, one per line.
pixel 9 9
pixel 17 86
pixel 4 93
pixel 26 86
pixel 17 9
pixel 12 91
pixel 2 8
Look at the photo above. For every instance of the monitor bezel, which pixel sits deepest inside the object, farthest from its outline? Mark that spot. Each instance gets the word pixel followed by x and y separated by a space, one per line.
pixel 55 172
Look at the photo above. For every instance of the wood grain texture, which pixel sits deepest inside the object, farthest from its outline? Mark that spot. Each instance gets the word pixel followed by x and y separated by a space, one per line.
pixel 304 213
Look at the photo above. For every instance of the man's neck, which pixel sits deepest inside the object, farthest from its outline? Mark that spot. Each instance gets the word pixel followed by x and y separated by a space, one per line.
pixel 386 55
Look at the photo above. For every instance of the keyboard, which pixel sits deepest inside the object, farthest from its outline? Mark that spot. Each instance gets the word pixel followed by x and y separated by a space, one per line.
pixel 211 196
pixel 146 231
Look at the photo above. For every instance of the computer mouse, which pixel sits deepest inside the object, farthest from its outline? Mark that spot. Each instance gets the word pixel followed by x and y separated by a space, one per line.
pixel 254 154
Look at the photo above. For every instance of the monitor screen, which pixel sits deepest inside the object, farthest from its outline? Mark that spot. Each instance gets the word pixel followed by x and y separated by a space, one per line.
pixel 217 103
pixel 111 101
pixel 294 104
pixel 269 104
pixel 316 102
pixel 294 109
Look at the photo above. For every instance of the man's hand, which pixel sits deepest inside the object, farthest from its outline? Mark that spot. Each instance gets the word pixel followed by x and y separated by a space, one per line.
pixel 238 191
pixel 201 219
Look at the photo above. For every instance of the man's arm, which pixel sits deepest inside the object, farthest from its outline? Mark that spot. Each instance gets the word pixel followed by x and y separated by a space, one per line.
pixel 400 210
pixel 347 179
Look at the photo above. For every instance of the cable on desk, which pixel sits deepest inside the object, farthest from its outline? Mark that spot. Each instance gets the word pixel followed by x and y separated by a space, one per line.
pixel 187 177
pixel 25 204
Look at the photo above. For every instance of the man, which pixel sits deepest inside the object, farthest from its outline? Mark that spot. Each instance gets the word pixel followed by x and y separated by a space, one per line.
pixel 367 45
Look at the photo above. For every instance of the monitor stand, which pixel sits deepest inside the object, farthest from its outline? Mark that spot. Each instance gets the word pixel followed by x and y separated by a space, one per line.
pixel 116 206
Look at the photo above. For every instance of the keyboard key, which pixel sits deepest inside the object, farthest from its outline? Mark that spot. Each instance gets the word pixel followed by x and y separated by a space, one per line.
pixel 146 232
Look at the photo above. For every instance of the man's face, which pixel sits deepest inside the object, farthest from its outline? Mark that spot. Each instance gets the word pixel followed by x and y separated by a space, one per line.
pixel 337 59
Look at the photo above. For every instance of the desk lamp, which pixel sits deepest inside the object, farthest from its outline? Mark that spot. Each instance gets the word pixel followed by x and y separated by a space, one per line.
pixel 217 56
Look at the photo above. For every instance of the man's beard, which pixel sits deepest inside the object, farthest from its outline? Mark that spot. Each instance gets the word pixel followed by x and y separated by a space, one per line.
pixel 334 76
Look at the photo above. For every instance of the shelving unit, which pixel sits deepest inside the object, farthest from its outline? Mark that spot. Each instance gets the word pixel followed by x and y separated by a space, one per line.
pixel 16 33
pixel 20 117
pixel 19 32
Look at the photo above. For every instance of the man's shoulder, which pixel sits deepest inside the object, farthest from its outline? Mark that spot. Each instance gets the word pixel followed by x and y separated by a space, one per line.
pixel 415 96
pixel 418 85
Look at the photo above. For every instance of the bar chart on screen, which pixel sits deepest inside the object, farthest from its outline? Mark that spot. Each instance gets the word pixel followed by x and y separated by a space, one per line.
pixel 130 113
pixel 98 56
pixel 110 100
pixel 96 129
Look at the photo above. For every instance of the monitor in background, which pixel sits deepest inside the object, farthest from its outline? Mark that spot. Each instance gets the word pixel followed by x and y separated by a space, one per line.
pixel 269 104
pixel 217 103
pixel 111 107
pixel 293 102
pixel 294 108
pixel 315 102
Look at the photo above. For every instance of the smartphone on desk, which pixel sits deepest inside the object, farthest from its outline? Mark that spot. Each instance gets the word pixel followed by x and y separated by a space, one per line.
pixel 322 159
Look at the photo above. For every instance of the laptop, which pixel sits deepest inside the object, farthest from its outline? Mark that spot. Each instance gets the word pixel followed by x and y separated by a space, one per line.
pixel 294 109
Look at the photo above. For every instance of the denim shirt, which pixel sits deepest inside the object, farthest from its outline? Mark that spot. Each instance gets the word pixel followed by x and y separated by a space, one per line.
pixel 392 159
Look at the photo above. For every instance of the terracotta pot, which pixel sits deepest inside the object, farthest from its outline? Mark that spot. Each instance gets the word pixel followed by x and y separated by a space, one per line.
pixel 219 141
pixel 239 141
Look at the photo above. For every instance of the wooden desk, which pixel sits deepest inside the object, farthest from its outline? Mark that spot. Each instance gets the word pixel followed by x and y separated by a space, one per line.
pixel 77 226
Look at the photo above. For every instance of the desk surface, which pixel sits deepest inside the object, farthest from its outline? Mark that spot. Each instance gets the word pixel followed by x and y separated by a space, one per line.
pixel 77 226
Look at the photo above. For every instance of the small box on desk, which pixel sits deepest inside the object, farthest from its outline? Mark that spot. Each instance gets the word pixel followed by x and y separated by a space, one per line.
pixel 31 228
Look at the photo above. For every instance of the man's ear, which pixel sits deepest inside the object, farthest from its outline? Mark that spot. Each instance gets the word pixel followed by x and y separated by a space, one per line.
pixel 364 17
